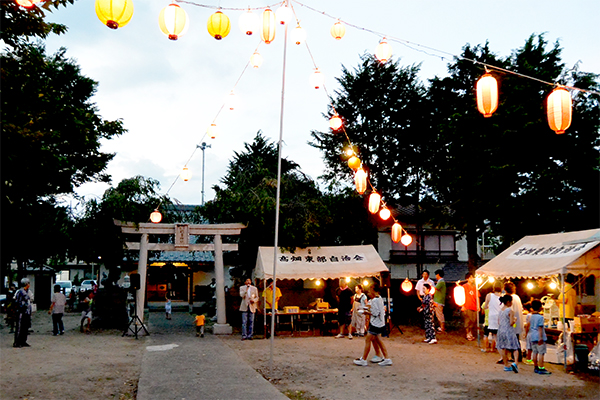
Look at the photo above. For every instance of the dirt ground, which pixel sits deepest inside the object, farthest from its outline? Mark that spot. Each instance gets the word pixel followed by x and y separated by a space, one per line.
pixel 104 365
pixel 99 365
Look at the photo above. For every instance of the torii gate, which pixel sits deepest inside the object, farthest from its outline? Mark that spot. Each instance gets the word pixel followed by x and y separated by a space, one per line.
pixel 182 233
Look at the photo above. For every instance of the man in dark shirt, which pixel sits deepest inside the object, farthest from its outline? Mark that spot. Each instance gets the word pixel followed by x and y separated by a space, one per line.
pixel 345 299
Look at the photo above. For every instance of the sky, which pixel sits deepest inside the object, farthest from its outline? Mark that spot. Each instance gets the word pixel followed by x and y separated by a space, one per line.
pixel 168 92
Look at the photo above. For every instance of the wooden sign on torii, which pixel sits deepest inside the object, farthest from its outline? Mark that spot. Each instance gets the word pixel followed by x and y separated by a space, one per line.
pixel 182 234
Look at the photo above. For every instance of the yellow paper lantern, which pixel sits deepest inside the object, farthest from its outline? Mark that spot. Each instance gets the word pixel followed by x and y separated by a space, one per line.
pixel 249 22
pixel 406 239
pixel 559 110
pixel 114 13
pixel 173 21
pixel 284 14
pixel 385 214
pixel 407 285
pixel 396 232
pixel 374 202
pixel 335 122
pixel 156 216
pixel 354 163
pixel 317 79
pixel 298 35
pixel 213 131
pixel 256 60
pixel 338 30
pixel 268 25
pixel 27 3
pixel 383 52
pixel 360 180
pixel 459 295
pixel 487 95
pixel 218 25
pixel 186 174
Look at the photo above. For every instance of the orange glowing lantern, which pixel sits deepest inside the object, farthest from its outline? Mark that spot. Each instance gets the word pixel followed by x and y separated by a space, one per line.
pixel 317 79
pixel 114 13
pixel 360 180
pixel 156 216
pixel 186 174
pixel 267 32
pixel 559 110
pixel 374 202
pixel 213 131
pixel 249 22
pixel 383 52
pixel 218 25
pixel 335 122
pixel 406 239
pixel 407 285
pixel 385 214
pixel 459 295
pixel 354 163
pixel 338 30
pixel 27 3
pixel 487 95
pixel 396 232
pixel 298 35
pixel 173 21
pixel 256 60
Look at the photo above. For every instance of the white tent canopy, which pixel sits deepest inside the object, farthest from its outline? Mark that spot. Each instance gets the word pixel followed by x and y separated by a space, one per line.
pixel 320 263
pixel 548 255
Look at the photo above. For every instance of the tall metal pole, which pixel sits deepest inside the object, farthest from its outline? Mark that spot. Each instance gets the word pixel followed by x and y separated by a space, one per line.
pixel 203 147
pixel 276 245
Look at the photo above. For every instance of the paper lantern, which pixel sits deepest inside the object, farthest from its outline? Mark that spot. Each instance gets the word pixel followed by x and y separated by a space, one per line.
pixel 354 163
pixel 317 79
pixel 338 30
pixel 487 95
pixel 396 232
pixel 173 21
pixel 335 122
pixel 284 14
pixel 114 13
pixel 232 101
pixel 406 239
pixel 298 35
pixel 156 216
pixel 459 295
pixel 407 285
pixel 218 25
pixel 385 214
pixel 267 32
pixel 256 60
pixel 360 180
pixel 383 52
pixel 186 174
pixel 249 22
pixel 213 131
pixel 374 202
pixel 27 3
pixel 559 110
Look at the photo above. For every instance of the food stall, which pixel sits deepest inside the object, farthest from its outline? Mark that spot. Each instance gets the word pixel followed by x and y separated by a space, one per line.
pixel 313 265
pixel 552 257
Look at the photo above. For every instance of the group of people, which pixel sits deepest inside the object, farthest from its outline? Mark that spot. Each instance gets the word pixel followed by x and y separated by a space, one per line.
pixel 433 299
pixel 250 302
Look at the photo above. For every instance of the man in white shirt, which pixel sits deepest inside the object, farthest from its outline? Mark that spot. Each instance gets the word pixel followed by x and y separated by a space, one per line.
pixel 419 287
pixel 249 295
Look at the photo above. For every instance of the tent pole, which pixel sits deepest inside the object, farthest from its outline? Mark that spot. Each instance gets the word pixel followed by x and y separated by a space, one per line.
pixel 562 285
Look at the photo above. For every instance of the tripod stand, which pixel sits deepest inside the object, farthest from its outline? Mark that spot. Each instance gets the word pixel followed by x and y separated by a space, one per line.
pixel 135 320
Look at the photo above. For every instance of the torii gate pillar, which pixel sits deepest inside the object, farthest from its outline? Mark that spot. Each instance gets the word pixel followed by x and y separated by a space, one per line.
pixel 221 327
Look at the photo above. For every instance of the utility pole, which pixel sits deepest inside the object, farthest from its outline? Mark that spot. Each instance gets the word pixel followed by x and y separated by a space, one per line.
pixel 203 147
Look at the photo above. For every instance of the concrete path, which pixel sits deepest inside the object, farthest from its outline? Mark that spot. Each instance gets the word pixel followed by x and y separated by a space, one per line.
pixel 177 365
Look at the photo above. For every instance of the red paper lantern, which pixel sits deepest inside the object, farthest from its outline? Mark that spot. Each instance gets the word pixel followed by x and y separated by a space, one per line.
pixel 487 95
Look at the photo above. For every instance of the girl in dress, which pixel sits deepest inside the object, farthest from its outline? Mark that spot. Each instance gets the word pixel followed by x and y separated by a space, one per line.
pixel 506 338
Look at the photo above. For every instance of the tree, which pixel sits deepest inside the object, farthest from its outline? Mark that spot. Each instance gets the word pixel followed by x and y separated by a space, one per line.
pixel 51 135
pixel 307 217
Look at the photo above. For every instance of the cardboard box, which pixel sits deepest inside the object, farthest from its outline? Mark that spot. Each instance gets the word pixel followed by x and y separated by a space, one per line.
pixel 323 306
pixel 587 324
pixel 291 309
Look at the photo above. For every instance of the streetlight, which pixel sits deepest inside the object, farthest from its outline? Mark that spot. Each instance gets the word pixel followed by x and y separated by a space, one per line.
pixel 203 147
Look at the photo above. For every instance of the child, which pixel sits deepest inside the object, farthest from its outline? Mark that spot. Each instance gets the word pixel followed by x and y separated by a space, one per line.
pixel 168 308
pixel 376 328
pixel 426 307
pixel 537 335
pixel 527 308
pixel 199 321
pixel 506 339
pixel 487 335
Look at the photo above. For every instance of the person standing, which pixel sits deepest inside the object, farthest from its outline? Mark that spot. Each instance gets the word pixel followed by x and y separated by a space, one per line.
pixel 493 305
pixel 570 301
pixel 358 316
pixel 57 309
pixel 345 300
pixel 199 321
pixel 439 299
pixel 419 286
pixel 507 340
pixel 268 296
pixel 470 308
pixel 22 302
pixel 517 307
pixel 427 309
pixel 537 336
pixel 168 308
pixel 376 328
pixel 249 295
